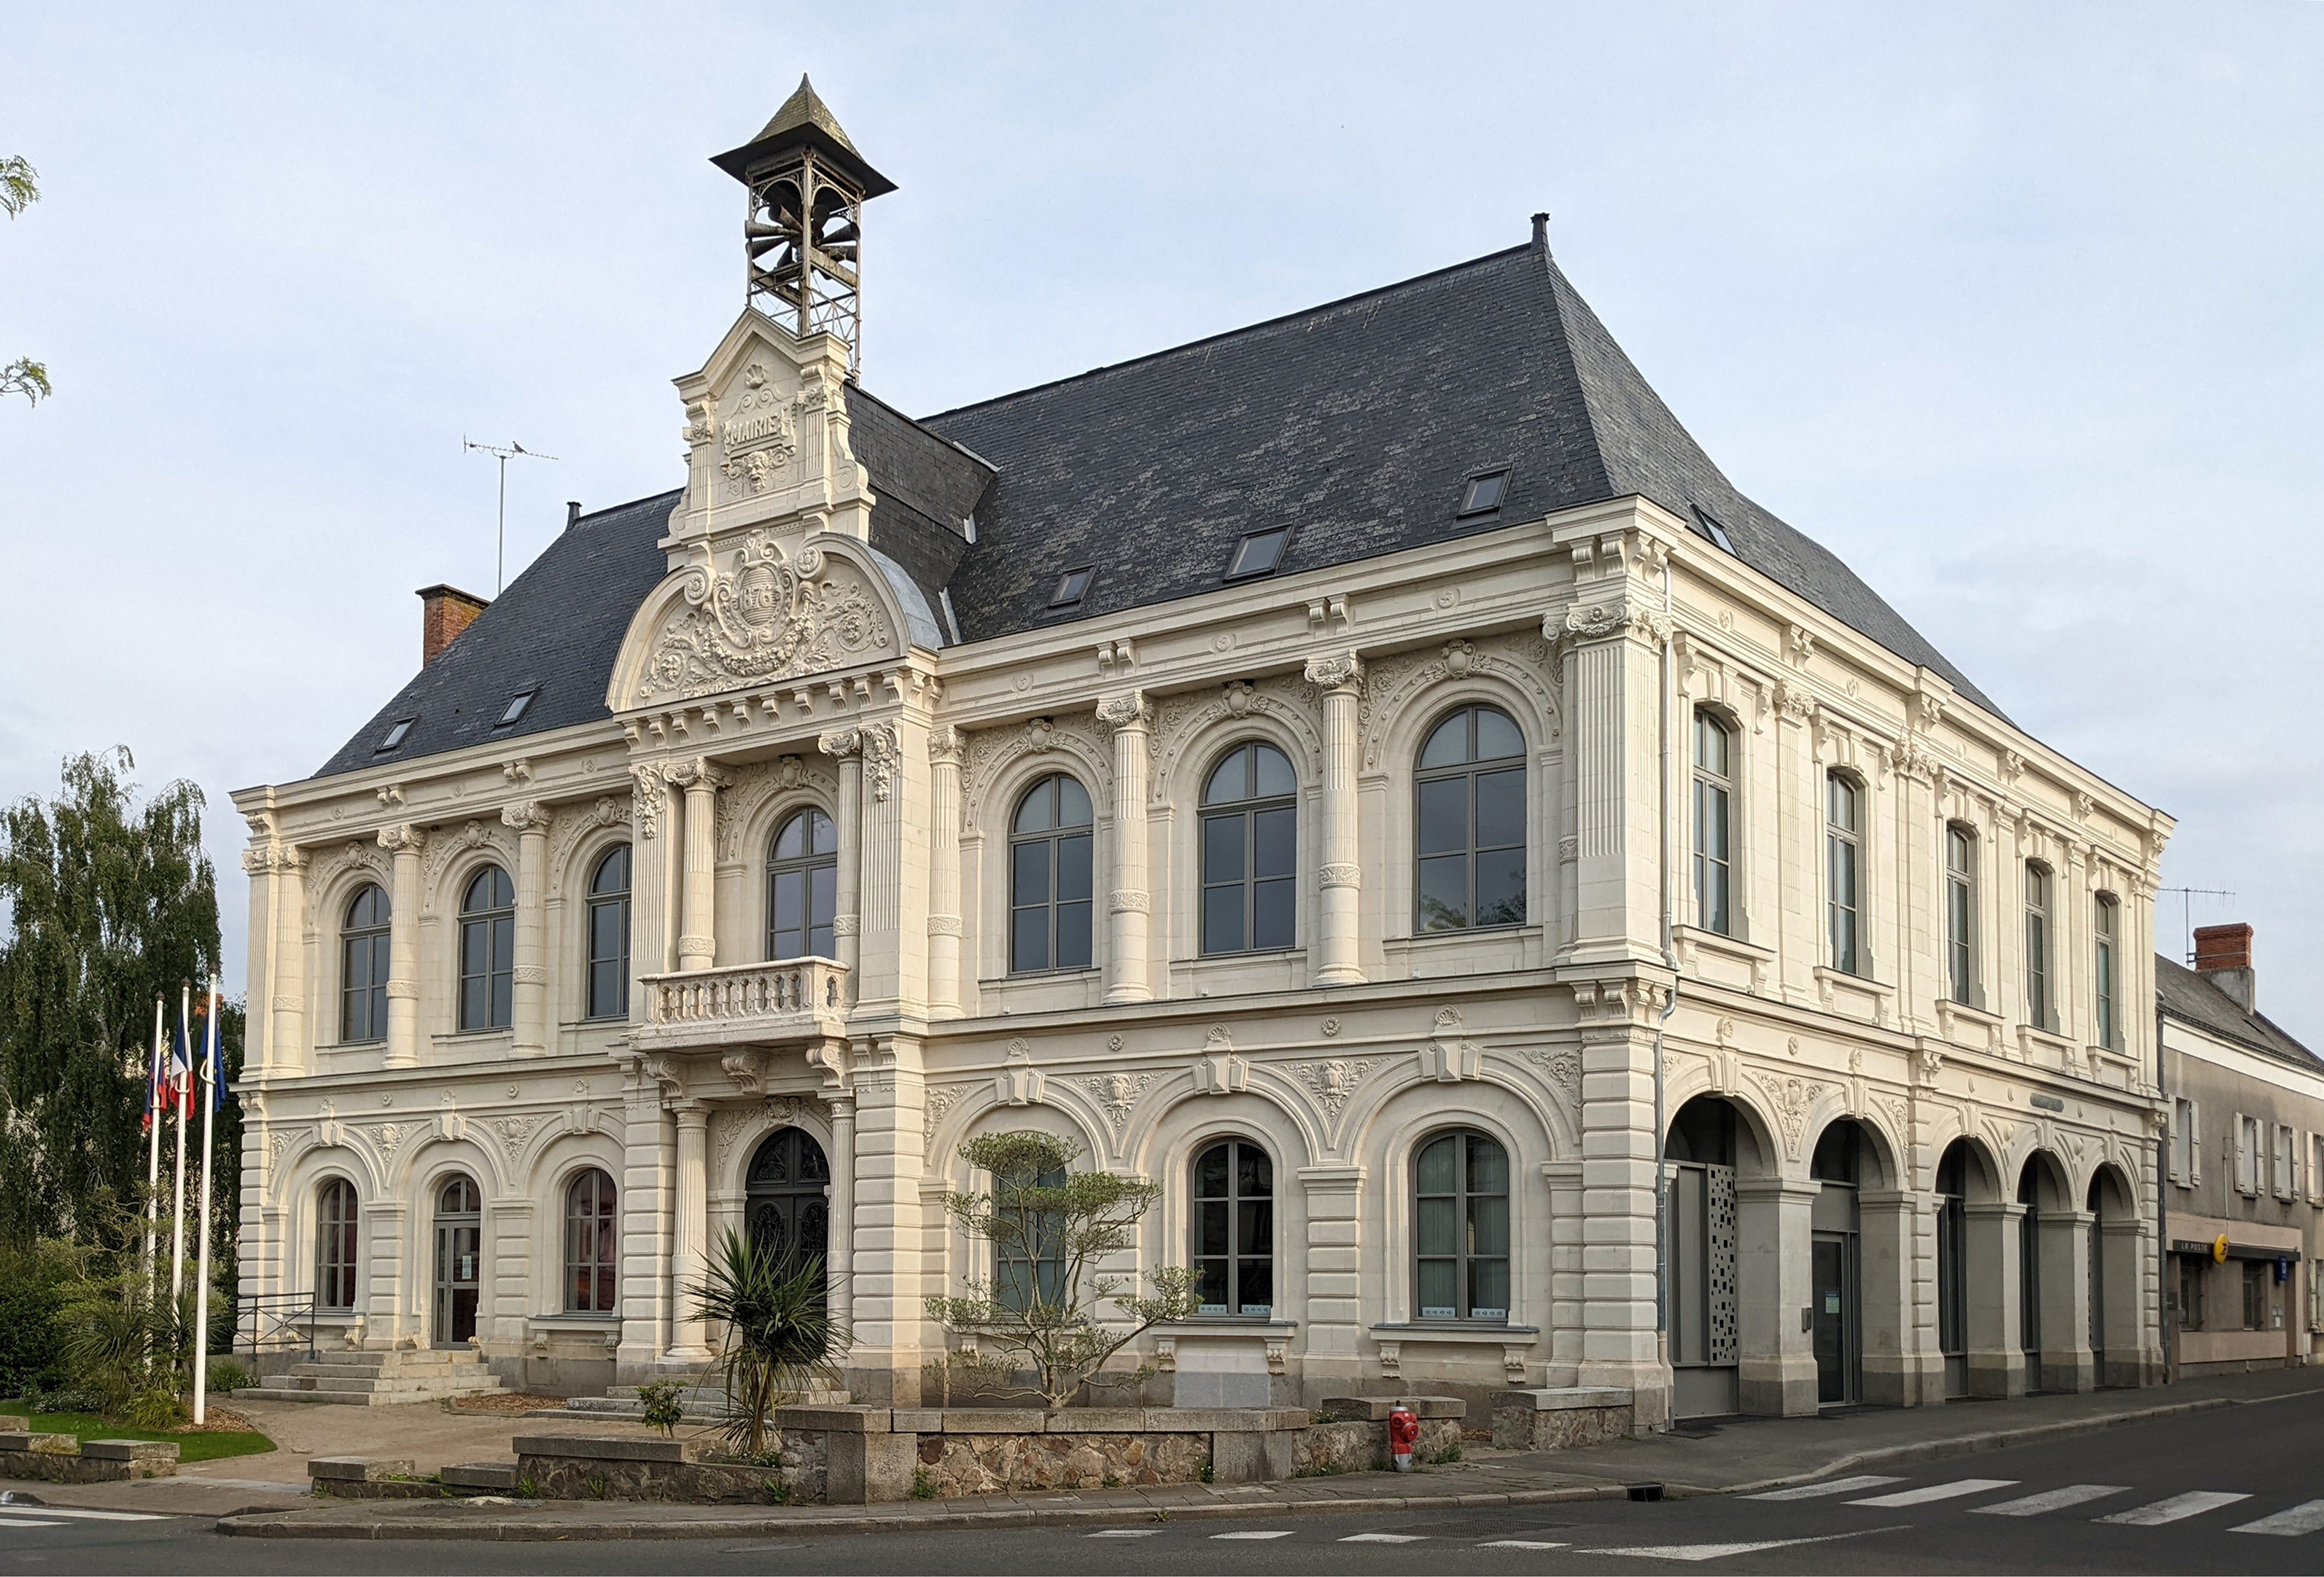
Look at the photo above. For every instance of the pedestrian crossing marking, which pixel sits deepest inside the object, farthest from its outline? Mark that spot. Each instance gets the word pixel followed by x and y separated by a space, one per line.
pixel 2305 1517
pixel 50 1511
pixel 30 1522
pixel 1125 1533
pixel 1280 1533
pixel 1518 1545
pixel 1928 1492
pixel 2052 1500
pixel 2177 1509
pixel 1832 1486
pixel 1383 1538
pixel 1721 1551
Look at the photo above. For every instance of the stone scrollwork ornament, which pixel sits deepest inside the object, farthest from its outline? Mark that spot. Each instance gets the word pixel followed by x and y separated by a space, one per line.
pixel 774 615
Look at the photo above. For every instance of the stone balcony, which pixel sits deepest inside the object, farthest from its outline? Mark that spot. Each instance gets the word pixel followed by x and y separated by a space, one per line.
pixel 793 1001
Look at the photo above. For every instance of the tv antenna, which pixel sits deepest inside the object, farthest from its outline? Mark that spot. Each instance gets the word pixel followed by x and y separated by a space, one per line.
pixel 503 454
pixel 2187 895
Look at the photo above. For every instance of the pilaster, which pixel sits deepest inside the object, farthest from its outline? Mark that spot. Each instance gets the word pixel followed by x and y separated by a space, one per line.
pixel 697 936
pixel 1990 1273
pixel 944 872
pixel 1129 899
pixel 1338 923
pixel 403 844
pixel 889 1309
pixel 1332 1297
pixel 651 878
pixel 1775 1371
pixel 2067 1362
pixel 529 1007
pixel 844 746
pixel 1613 697
pixel 688 1259
pixel 1620 1345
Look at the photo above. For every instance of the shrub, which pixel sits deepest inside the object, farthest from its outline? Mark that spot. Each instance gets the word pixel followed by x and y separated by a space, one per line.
pixel 229 1374
pixel 662 1410
pixel 32 1342
pixel 776 1337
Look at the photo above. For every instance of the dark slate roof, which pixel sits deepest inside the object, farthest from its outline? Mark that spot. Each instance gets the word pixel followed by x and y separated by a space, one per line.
pixel 2188 997
pixel 559 624
pixel 1358 422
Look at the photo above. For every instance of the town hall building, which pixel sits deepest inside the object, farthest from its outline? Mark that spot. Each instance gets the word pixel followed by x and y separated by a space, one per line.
pixel 1541 919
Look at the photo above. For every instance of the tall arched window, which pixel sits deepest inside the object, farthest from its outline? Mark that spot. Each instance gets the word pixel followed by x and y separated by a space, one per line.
pixel 1034 1273
pixel 589 1234
pixel 2104 920
pixel 1249 850
pixel 363 967
pixel 487 950
pixel 1461 1229
pixel 1471 842
pixel 802 886
pixel 1843 846
pixel 1049 877
pixel 1714 812
pixel 609 936
pixel 1960 915
pixel 1234 1230
pixel 2039 1008
pixel 335 1245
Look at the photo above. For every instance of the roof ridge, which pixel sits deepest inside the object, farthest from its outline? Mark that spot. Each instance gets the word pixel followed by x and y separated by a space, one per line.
pixel 1317 311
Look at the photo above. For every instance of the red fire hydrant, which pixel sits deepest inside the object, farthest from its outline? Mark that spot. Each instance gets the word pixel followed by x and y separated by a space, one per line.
pixel 1403 1431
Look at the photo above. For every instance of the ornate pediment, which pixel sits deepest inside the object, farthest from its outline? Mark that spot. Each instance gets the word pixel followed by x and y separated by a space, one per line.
pixel 770 615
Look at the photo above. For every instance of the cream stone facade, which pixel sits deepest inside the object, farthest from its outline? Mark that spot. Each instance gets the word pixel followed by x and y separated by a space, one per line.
pixel 1885 1178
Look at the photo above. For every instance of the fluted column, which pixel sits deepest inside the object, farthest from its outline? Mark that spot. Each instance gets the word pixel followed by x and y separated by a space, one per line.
pixel 944 872
pixel 278 954
pixel 1339 920
pixel 842 1268
pixel 698 938
pixel 529 1008
pixel 650 883
pixel 404 842
pixel 845 746
pixel 687 1265
pixel 1128 899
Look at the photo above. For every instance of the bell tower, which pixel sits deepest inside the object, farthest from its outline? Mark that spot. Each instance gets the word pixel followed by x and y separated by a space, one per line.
pixel 802 237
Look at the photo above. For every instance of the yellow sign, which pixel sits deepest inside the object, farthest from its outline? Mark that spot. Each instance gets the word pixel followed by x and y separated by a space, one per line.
pixel 2219 1249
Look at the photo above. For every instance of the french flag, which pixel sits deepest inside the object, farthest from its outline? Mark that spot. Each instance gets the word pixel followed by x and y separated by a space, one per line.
pixel 153 1086
pixel 181 1070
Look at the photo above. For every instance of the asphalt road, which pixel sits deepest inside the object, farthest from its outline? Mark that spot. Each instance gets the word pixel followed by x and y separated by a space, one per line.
pixel 2237 1490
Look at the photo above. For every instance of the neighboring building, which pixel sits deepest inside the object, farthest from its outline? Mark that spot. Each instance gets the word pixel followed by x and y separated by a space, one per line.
pixel 2244 1207
pixel 1278 763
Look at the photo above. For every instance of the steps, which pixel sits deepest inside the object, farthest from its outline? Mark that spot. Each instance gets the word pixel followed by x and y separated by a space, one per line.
pixel 703 1403
pixel 379 1379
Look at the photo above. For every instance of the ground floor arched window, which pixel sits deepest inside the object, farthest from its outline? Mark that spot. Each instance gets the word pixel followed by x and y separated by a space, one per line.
pixel 590 1229
pixel 1234 1230
pixel 335 1245
pixel 1461 1229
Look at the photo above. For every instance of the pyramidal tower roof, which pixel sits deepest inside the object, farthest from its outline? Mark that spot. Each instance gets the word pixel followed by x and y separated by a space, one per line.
pixel 805 120
pixel 805 108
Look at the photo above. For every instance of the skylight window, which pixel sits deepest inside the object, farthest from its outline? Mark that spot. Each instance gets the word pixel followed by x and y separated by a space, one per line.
pixel 1258 552
pixel 1485 492
pixel 1072 586
pixel 395 732
pixel 517 703
pixel 1713 529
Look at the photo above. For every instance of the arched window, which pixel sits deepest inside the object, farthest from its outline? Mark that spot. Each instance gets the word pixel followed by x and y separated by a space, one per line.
pixel 589 1234
pixel 786 1205
pixel 1714 813
pixel 1032 1271
pixel 2038 1006
pixel 1249 850
pixel 1234 1230
pixel 2104 922
pixel 802 886
pixel 487 950
pixel 1461 1229
pixel 609 936
pixel 1469 786
pixel 1049 878
pixel 1960 915
pixel 363 967
pixel 1843 867
pixel 335 1245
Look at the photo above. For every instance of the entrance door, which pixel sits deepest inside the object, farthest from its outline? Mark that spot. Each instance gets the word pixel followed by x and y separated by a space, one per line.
pixel 459 1254
pixel 1832 1283
pixel 788 1196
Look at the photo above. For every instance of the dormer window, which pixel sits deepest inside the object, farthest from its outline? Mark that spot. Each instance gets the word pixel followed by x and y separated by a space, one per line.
pixel 1072 586
pixel 1708 525
pixel 395 732
pixel 516 706
pixel 1485 492
pixel 1258 552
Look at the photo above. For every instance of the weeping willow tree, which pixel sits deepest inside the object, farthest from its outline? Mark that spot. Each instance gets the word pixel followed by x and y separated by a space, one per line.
pixel 107 900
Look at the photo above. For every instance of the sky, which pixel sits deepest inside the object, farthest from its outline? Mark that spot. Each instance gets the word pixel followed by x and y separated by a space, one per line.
pixel 2013 306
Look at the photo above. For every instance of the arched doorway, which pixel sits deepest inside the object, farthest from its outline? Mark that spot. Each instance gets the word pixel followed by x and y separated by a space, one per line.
pixel 2116 1327
pixel 2052 1264
pixel 1961 1177
pixel 787 1204
pixel 459 1253
pixel 1835 1263
pixel 1701 1317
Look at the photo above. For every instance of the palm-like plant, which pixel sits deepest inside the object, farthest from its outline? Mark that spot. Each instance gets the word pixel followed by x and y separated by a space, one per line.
pixel 776 1336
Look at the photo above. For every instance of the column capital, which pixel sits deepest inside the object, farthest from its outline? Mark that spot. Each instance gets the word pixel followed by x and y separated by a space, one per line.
pixel 1336 671
pixel 945 744
pixel 1129 709
pixel 403 838
pixel 882 750
pixel 528 815
pixel 1617 616
pixel 841 743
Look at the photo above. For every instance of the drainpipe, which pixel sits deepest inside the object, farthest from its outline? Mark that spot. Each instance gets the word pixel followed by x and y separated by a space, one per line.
pixel 2164 1318
pixel 1670 1001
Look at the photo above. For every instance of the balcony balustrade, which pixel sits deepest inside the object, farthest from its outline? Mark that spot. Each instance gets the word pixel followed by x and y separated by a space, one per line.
pixel 790 1001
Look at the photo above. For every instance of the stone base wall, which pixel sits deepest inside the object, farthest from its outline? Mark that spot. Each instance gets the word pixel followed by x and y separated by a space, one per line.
pixel 990 1465
pixel 61 1459
pixel 1552 1420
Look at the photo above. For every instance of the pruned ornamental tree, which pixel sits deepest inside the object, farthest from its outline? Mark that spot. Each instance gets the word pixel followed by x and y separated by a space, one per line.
pixel 1050 1228
pixel 20 189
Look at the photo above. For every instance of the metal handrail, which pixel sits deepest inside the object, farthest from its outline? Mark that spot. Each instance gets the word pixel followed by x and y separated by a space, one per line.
pixel 274 1321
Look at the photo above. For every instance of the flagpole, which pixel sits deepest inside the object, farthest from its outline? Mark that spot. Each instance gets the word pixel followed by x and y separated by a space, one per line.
pixel 202 1276
pixel 177 1212
pixel 154 1141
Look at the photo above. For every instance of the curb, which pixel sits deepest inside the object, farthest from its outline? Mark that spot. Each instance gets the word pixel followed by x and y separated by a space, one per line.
pixel 277 1525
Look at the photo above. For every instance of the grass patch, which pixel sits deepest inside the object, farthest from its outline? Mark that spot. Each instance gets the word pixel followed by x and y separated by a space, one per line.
pixel 205 1446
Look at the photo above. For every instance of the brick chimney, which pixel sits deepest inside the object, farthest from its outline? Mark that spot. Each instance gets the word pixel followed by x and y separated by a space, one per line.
pixel 445 612
pixel 2223 955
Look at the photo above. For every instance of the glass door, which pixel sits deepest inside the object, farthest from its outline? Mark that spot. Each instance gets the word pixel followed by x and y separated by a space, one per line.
pixel 459 1254
pixel 1837 1336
